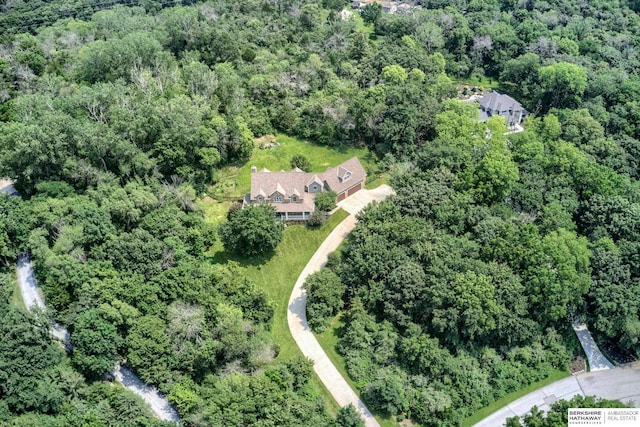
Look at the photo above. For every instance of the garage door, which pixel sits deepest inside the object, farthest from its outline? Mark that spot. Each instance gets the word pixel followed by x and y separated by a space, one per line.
pixel 355 189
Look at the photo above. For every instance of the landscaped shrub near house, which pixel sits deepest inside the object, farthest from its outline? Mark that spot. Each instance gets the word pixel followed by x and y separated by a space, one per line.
pixel 316 219
pixel 301 162
pixel 325 201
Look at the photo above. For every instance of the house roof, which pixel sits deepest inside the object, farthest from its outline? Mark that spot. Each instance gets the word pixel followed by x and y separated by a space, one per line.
pixel 496 101
pixel 334 177
pixel 283 182
pixel 313 179
pixel 338 179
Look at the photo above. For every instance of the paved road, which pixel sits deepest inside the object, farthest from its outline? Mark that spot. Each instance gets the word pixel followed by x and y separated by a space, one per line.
pixel 622 383
pixel 597 361
pixel 297 314
pixel 32 298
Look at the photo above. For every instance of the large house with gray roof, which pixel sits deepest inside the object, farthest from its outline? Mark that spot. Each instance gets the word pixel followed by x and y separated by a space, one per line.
pixel 495 103
pixel 293 193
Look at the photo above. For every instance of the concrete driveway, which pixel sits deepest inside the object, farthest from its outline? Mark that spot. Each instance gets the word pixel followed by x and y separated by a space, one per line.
pixel 622 383
pixel 597 361
pixel 362 198
pixel 297 313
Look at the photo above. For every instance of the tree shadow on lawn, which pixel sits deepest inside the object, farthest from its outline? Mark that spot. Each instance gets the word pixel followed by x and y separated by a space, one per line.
pixel 223 257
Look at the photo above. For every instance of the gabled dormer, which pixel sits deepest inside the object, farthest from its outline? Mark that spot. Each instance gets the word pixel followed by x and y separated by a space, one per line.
pixel 343 174
pixel 278 195
pixel 314 185
pixel 295 196
pixel 261 196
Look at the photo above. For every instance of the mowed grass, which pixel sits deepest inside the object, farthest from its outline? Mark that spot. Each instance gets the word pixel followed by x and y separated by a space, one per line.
pixel 481 414
pixel 235 181
pixel 16 295
pixel 214 212
pixel 277 275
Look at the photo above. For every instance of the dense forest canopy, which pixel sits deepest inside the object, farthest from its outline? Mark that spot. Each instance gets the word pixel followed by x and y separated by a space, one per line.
pixel 455 292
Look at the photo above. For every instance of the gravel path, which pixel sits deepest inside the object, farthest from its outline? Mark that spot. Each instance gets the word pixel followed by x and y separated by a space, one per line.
pixel 159 404
pixel 297 314
pixel 28 285
pixel 32 298
pixel 6 187
pixel 622 383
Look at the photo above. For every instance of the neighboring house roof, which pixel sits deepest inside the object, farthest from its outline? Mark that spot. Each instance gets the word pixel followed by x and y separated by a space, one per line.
pixel 496 101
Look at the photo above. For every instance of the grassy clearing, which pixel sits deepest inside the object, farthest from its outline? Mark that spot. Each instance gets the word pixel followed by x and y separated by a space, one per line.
pixel 277 275
pixel 361 26
pixel 235 181
pixel 478 80
pixel 500 403
pixel 16 295
pixel 214 212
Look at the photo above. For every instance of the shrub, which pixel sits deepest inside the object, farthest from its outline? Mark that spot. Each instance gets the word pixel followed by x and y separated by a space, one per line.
pixel 316 219
pixel 325 201
pixel 300 161
pixel 324 298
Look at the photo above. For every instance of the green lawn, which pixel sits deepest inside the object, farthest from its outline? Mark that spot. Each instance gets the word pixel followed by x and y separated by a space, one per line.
pixel 214 212
pixel 500 403
pixel 278 274
pixel 235 181
pixel 16 295
pixel 361 26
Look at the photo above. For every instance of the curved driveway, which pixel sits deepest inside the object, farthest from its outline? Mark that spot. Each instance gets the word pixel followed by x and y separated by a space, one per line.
pixel 33 299
pixel 297 314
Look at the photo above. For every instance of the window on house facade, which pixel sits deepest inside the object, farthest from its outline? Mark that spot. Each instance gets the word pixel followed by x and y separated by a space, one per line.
pixel 294 198
pixel 260 199
pixel 277 199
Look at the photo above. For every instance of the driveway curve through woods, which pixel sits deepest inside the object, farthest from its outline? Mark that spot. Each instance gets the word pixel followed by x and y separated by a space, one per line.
pixel 33 299
pixel 297 313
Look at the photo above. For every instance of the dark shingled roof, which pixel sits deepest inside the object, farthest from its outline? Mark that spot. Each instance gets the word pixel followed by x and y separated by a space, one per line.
pixel 496 101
